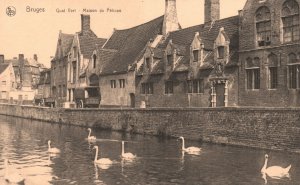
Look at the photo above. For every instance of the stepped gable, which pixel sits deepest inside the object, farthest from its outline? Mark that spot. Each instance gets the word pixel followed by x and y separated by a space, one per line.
pixel 130 43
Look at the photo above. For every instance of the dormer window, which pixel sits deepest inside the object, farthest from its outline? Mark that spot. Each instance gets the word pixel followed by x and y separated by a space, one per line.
pixel 263 26
pixel 59 42
pixel 196 55
pixel 221 52
pixel 148 64
pixel 170 59
pixel 94 61
pixel 74 52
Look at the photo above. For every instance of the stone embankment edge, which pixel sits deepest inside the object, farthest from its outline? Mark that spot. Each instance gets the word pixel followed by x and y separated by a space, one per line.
pixel 259 127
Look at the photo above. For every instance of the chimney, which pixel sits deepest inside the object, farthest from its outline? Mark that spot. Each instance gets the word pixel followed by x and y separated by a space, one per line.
pixel 35 57
pixel 170 19
pixel 1 59
pixel 211 10
pixel 21 57
pixel 85 23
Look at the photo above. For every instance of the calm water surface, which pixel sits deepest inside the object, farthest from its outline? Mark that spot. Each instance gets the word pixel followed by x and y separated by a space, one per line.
pixel 159 161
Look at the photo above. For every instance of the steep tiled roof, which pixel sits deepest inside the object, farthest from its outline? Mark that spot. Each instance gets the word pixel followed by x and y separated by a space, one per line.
pixel 15 62
pixel 105 56
pixel 3 67
pixel 32 62
pixel 181 65
pixel 208 33
pixel 158 68
pixel 66 43
pixel 88 44
pixel 130 43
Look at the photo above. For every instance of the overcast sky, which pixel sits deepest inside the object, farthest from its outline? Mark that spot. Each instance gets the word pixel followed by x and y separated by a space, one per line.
pixel 32 32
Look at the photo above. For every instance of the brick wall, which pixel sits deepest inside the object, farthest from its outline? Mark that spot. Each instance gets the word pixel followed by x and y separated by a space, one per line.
pixel 272 128
pixel 282 96
pixel 117 96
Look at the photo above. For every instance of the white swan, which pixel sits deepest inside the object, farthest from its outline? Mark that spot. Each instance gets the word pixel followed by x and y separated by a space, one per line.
pixel 102 161
pixel 13 177
pixel 52 150
pixel 126 155
pixel 90 138
pixel 275 171
pixel 191 149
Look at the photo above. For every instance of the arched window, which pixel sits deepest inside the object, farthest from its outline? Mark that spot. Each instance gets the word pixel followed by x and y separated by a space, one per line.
pixel 290 21
pixel 253 73
pixel 94 61
pixel 294 67
pixel 263 26
pixel 273 71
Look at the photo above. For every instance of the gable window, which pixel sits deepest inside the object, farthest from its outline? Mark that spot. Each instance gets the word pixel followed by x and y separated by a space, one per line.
pixel 74 72
pixel 122 83
pixel 169 59
pixel 169 87
pixel 113 84
pixel 290 21
pixel 94 61
pixel 221 52
pixel 273 71
pixel 3 83
pixel 253 73
pixel 263 26
pixel 147 88
pixel 293 70
pixel 196 55
pixel 195 86
pixel 148 64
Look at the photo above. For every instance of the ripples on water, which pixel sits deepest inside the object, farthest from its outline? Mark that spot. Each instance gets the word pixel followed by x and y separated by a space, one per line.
pixel 159 161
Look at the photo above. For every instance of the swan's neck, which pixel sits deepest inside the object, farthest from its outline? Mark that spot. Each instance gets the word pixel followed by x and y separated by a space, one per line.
pixel 49 146
pixel 89 133
pixel 96 155
pixel 183 147
pixel 265 166
pixel 123 149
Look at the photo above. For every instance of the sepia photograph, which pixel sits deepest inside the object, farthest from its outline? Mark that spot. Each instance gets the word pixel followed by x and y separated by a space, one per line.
pixel 150 92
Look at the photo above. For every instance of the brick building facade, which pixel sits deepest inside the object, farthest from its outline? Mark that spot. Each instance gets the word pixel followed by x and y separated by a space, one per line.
pixel 251 59
pixel 269 53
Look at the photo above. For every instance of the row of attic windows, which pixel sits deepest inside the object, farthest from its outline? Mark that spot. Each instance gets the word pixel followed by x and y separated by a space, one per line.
pixel 253 72
pixel 289 19
pixel 196 56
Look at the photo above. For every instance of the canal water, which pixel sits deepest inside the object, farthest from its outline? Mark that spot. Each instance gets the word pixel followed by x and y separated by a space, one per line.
pixel 159 161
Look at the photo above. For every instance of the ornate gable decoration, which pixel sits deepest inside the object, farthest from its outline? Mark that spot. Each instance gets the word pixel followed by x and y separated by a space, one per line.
pixel 221 52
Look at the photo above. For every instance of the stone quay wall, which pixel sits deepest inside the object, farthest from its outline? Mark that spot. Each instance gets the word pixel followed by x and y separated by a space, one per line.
pixel 269 128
